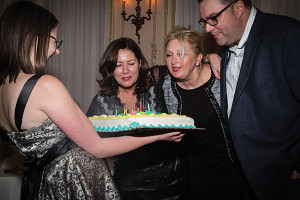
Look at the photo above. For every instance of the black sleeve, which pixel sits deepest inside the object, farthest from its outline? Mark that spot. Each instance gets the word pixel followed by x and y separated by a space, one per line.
pixel 158 74
pixel 94 108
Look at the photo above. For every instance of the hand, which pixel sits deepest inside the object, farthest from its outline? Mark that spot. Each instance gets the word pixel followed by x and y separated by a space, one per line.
pixel 173 136
pixel 295 175
pixel 215 63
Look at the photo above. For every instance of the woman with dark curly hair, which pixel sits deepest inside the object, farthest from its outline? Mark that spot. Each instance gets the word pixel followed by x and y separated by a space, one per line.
pixel 153 171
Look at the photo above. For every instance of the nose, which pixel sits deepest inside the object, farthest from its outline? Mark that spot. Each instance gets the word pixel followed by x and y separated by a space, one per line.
pixel 125 69
pixel 174 59
pixel 208 28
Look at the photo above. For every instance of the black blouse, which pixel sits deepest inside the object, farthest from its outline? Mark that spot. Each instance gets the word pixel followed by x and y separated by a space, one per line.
pixel 209 168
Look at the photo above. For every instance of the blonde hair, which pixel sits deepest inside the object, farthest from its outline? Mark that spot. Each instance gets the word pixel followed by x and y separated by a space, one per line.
pixel 182 34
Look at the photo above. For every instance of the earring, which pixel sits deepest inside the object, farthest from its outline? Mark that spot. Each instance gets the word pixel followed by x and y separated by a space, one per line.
pixel 113 83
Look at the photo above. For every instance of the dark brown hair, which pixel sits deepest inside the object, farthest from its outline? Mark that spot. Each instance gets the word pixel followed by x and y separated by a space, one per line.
pixel 23 26
pixel 108 64
pixel 246 2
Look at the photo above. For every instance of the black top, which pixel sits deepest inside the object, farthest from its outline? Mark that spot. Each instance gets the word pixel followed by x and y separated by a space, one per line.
pixel 209 168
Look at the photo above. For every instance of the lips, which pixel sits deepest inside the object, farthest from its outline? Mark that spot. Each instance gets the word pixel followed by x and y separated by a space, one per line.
pixel 126 78
pixel 215 35
pixel 175 69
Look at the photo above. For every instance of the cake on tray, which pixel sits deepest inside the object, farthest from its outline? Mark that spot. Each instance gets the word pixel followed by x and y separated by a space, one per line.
pixel 133 120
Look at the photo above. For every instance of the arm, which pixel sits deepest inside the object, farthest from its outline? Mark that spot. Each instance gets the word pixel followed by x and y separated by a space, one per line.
pixel 58 105
pixel 215 63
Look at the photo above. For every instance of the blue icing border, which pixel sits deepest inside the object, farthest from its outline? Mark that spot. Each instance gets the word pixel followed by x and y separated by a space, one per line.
pixel 134 125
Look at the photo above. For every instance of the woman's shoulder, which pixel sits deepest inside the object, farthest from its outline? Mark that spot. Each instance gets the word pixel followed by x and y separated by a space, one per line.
pixel 50 84
pixel 49 81
pixel 49 91
pixel 100 95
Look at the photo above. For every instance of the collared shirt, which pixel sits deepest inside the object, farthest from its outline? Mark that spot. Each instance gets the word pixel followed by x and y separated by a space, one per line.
pixel 235 62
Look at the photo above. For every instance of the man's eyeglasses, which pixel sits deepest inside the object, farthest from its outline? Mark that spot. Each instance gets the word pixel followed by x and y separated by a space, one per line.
pixel 212 21
pixel 57 41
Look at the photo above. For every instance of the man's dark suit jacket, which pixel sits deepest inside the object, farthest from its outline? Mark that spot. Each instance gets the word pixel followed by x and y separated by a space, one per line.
pixel 265 118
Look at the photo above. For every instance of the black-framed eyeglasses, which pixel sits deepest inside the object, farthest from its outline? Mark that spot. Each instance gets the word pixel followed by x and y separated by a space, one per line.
pixel 212 21
pixel 57 41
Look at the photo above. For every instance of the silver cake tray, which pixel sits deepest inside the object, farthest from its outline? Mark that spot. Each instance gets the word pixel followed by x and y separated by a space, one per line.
pixel 145 131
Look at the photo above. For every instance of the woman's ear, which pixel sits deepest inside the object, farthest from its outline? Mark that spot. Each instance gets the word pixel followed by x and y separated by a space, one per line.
pixel 199 59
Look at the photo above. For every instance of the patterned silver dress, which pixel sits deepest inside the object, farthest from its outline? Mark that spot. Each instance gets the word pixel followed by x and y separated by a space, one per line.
pixel 69 174
pixel 73 175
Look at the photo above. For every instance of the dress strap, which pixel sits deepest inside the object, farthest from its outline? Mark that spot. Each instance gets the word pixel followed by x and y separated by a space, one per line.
pixel 23 98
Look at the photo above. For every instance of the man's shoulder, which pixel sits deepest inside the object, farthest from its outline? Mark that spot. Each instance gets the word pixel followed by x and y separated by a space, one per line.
pixel 270 27
pixel 277 22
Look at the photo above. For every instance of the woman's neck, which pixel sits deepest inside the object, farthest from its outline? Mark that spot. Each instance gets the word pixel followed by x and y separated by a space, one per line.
pixel 127 97
pixel 197 78
pixel 193 80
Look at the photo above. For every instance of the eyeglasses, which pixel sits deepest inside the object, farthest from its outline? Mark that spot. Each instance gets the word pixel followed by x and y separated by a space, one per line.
pixel 212 21
pixel 57 41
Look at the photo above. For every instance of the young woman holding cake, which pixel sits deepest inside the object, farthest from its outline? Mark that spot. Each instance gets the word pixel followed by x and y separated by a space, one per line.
pixel 190 88
pixel 40 116
pixel 153 171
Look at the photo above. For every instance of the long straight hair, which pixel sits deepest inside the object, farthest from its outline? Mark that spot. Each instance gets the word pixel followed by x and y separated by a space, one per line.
pixel 23 26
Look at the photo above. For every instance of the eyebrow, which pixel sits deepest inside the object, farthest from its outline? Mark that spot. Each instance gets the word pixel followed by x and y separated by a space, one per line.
pixel 211 15
pixel 134 59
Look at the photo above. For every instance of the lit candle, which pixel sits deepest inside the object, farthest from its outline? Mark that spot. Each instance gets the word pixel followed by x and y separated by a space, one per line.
pixel 149 4
pixel 148 107
pixel 123 5
pixel 141 106
pixel 116 113
pixel 134 107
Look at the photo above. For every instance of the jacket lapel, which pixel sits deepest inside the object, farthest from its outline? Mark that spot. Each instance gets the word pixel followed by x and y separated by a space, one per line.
pixel 224 62
pixel 249 54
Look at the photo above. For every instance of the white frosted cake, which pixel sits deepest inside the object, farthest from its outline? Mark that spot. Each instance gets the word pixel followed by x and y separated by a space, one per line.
pixel 147 119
